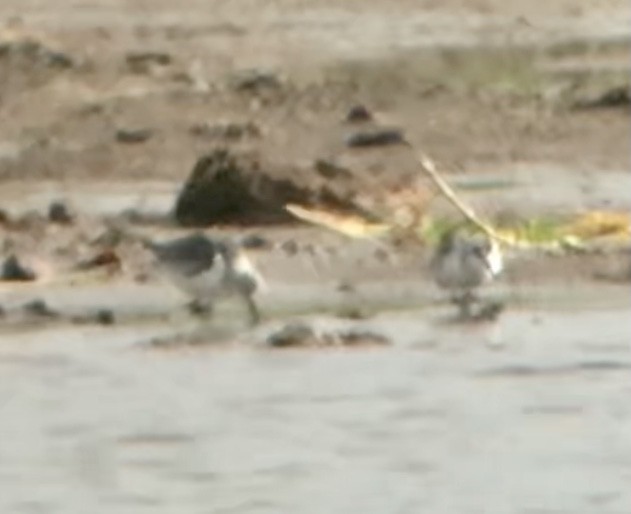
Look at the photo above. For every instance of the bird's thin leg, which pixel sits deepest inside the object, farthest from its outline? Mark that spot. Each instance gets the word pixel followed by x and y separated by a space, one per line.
pixel 471 297
pixel 253 310
pixel 464 302
pixel 464 307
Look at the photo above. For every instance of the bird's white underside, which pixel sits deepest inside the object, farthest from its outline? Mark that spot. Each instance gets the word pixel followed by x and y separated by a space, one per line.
pixel 212 284
pixel 455 273
pixel 495 260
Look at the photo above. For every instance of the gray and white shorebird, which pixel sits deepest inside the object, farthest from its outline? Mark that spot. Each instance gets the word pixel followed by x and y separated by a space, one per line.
pixel 209 269
pixel 462 263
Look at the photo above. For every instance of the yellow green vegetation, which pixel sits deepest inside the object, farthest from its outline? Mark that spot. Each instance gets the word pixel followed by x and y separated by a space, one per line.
pixel 567 232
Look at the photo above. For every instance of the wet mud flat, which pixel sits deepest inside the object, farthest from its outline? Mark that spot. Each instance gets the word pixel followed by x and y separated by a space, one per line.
pixel 525 413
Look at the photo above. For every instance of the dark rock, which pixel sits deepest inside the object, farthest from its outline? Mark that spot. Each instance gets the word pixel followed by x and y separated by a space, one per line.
pixel 362 338
pixel 358 113
pixel 301 335
pixel 612 98
pixel 131 136
pixel 255 81
pixel 224 187
pixel 5 218
pixel 293 335
pixel 143 62
pixel 58 60
pixel 231 131
pixel 231 187
pixel 33 53
pixel 105 317
pixel 329 170
pixel 58 213
pixel 200 308
pixel 219 189
pixel 13 270
pixel 136 216
pixel 100 317
pixel 376 137
pixel 346 287
pixel 107 257
pixel 255 242
pixel 40 309
pixel 353 312
pixel 290 247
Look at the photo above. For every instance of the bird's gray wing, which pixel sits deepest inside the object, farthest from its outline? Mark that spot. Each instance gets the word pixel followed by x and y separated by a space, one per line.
pixel 189 256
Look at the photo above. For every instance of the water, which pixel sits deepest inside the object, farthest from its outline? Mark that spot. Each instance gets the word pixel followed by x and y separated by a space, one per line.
pixel 528 415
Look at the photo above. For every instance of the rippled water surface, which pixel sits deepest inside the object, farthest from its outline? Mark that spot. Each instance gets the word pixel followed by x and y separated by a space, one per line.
pixel 531 414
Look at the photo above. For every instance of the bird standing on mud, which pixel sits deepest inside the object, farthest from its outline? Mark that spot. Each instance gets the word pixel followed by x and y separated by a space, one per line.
pixel 208 269
pixel 462 263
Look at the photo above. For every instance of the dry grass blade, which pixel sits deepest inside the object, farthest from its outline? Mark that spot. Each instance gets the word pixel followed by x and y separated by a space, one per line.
pixel 428 167
pixel 594 224
pixel 347 224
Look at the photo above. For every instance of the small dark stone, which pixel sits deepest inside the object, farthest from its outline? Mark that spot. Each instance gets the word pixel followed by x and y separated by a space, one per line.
pixel 106 257
pixel 255 81
pixel 290 247
pixel 231 131
pixel 132 136
pixel 58 213
pixel 346 287
pixel 105 317
pixel 35 53
pixel 362 338
pixel 301 335
pixel 255 242
pixel 199 308
pixel 330 170
pixel 5 219
pixel 358 113
pixel 40 309
pixel 13 270
pixel 59 60
pixel 612 98
pixel 377 137
pixel 142 62
pixel 294 334
pixel 352 312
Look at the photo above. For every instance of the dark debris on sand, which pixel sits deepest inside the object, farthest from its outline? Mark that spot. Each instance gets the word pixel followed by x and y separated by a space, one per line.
pixel 13 270
pixel 303 335
pixel 58 212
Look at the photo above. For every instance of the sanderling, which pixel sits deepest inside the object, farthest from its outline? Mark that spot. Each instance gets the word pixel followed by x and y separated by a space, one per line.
pixel 208 269
pixel 462 263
